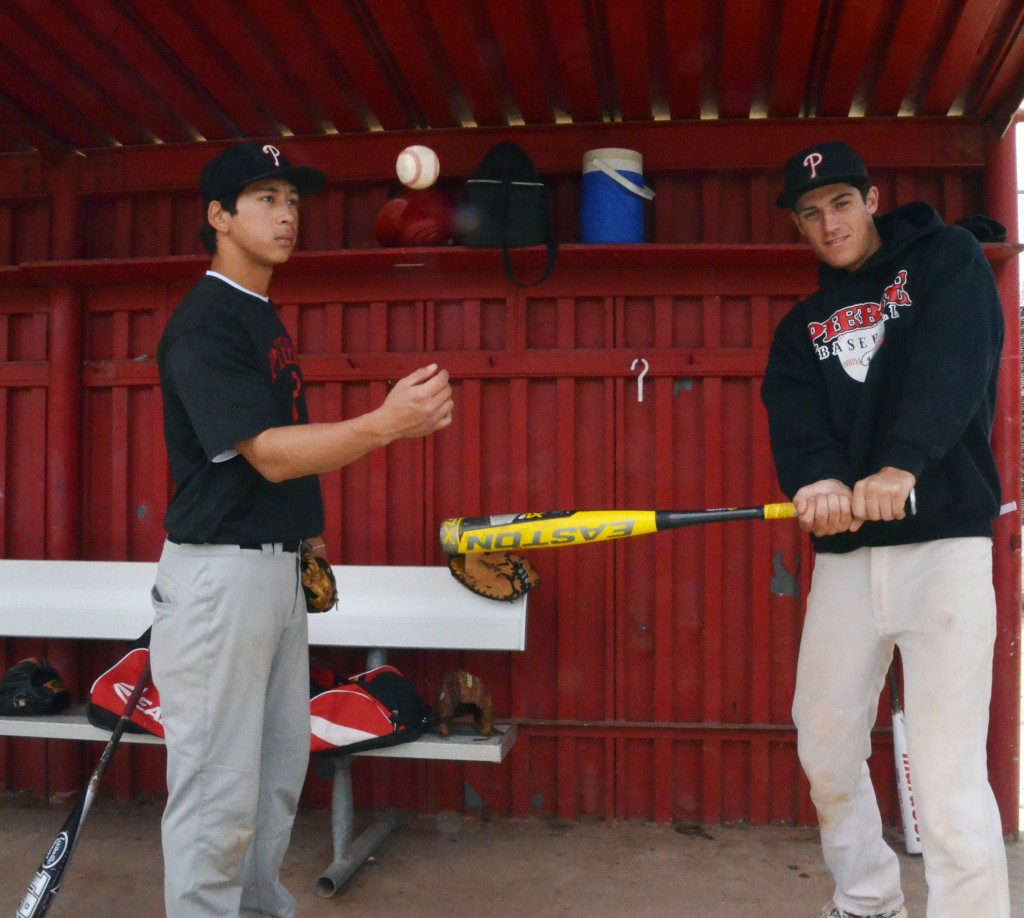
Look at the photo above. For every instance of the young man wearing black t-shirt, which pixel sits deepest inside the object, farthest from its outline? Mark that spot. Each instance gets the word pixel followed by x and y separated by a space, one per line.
pixel 229 645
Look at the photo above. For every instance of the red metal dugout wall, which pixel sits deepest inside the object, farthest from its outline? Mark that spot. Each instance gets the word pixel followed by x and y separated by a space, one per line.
pixel 658 673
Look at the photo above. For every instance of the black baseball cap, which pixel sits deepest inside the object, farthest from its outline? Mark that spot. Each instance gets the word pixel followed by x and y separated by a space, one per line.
pixel 246 163
pixel 829 163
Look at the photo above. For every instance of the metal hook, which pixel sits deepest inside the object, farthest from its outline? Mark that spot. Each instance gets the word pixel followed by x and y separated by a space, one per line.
pixel 640 378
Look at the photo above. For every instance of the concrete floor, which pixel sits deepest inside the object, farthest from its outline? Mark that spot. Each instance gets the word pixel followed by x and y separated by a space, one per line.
pixel 455 866
pixel 450 866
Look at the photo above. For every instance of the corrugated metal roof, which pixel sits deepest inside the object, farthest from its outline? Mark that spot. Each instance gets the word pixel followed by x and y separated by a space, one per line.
pixel 99 74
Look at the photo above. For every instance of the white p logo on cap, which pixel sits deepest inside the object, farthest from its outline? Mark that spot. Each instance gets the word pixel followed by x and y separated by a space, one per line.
pixel 276 153
pixel 811 161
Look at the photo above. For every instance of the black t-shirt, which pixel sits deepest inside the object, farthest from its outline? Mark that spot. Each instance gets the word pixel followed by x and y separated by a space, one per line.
pixel 228 371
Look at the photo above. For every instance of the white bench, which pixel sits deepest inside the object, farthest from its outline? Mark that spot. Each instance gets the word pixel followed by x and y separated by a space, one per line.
pixel 381 608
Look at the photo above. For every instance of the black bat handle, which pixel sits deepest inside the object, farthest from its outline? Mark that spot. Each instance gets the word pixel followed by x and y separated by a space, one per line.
pixel 672 519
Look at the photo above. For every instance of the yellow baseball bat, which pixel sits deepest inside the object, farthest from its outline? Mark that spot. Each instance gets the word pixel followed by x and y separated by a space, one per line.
pixel 560 528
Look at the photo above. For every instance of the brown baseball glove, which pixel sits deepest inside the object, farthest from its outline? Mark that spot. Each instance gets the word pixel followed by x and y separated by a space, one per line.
pixel 497 575
pixel 463 693
pixel 318 581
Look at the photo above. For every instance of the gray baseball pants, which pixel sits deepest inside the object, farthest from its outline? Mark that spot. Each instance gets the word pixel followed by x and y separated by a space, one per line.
pixel 230 660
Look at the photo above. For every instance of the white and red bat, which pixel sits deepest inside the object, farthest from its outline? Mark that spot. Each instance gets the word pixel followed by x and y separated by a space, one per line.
pixel 904 783
pixel 560 528
pixel 46 883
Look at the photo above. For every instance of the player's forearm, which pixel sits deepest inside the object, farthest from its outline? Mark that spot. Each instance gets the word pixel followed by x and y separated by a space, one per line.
pixel 417 405
pixel 284 453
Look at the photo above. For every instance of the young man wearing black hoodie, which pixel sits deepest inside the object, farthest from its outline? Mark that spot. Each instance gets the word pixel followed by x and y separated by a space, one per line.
pixel 880 389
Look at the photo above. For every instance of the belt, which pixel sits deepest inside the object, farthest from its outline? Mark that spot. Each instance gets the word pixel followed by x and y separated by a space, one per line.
pixel 289 545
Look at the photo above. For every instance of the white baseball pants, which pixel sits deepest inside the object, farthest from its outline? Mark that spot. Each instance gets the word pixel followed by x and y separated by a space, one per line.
pixel 936 601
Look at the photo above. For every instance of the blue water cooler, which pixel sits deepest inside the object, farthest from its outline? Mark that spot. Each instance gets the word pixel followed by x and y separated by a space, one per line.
pixel 612 206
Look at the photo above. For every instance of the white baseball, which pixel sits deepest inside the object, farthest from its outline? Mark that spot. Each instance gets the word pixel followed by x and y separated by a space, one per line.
pixel 417 167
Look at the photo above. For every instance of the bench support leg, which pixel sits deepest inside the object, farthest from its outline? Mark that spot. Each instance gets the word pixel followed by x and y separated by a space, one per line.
pixel 350 853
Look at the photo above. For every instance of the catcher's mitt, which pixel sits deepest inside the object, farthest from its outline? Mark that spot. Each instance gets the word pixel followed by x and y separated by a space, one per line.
pixel 32 687
pixel 463 693
pixel 497 575
pixel 318 581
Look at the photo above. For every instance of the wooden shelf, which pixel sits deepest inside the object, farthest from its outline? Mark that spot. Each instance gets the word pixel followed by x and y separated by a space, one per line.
pixel 410 261
pixel 113 271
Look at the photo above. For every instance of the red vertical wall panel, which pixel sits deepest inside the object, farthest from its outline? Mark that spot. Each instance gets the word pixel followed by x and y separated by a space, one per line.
pixel 23 352
pixel 1004 728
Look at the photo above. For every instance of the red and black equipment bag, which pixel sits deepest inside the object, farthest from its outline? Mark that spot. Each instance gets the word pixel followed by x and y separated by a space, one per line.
pixel 111 691
pixel 376 708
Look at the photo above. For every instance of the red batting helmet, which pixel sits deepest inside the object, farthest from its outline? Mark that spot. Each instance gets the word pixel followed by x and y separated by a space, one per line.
pixel 416 218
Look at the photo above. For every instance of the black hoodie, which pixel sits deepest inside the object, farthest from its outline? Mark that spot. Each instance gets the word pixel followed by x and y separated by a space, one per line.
pixel 895 364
